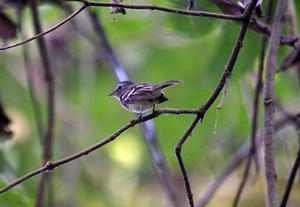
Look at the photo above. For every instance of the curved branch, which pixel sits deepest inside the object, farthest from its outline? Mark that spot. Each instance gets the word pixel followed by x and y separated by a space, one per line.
pixel 47 31
pixel 269 105
pixel 51 165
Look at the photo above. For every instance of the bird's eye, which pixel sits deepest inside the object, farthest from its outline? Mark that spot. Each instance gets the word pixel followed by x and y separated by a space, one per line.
pixel 119 87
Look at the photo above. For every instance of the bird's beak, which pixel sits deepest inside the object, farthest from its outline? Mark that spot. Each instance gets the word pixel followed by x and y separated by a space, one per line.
pixel 111 94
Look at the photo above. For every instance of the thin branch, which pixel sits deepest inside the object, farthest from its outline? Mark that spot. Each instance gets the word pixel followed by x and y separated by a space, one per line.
pixel 163 9
pixel 269 105
pixel 49 79
pixel 258 88
pixel 51 165
pixel 178 148
pixel 37 36
pixel 226 74
pixel 32 95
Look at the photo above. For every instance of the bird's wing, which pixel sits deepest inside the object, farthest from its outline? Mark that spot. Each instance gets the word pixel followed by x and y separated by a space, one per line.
pixel 143 87
pixel 142 91
pixel 141 97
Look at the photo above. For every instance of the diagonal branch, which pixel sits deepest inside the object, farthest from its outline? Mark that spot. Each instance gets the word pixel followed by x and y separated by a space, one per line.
pixel 235 161
pixel 39 35
pixel 49 80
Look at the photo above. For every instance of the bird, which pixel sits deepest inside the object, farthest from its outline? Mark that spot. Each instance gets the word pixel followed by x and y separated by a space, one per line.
pixel 141 97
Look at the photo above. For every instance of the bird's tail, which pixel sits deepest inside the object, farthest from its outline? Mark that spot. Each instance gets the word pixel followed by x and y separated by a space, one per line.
pixel 166 84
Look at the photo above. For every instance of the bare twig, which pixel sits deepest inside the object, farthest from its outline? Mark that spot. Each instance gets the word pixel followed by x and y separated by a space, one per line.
pixel 47 31
pixel 49 79
pixel 163 9
pixel 270 172
pixel 180 160
pixel 29 77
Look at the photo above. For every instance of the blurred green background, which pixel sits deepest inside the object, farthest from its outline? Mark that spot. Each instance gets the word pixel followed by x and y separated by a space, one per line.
pixel 153 47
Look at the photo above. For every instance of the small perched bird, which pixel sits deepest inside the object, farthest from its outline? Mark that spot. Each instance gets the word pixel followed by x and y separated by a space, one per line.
pixel 115 10
pixel 141 97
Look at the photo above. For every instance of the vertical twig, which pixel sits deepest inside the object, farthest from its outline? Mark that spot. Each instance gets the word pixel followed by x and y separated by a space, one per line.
pixel 49 79
pixel 29 78
pixel 148 130
pixel 269 104
pixel 178 148
pixel 258 87
pixel 252 149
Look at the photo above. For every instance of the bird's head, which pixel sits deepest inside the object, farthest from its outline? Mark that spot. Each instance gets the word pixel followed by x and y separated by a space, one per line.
pixel 121 88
